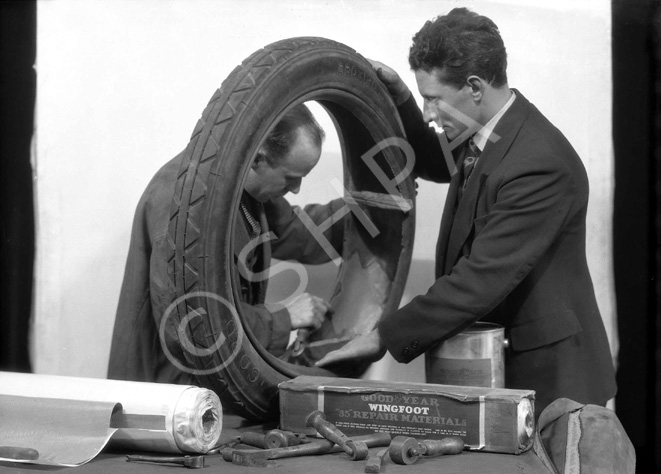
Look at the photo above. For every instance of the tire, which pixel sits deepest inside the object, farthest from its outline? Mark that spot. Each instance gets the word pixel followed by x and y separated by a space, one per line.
pixel 226 138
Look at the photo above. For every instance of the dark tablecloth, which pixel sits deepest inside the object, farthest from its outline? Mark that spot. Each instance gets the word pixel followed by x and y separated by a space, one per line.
pixel 113 461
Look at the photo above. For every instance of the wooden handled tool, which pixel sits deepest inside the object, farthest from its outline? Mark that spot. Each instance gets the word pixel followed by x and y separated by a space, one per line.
pixel 356 450
pixel 260 457
pixel 272 439
pixel 405 450
pixel 373 463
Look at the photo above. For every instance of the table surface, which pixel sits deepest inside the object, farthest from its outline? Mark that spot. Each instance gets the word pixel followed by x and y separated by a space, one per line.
pixel 112 461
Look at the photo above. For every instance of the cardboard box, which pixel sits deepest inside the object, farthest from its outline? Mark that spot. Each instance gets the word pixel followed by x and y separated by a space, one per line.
pixel 487 419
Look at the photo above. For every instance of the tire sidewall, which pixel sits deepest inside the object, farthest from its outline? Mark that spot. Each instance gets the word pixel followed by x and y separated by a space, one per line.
pixel 321 70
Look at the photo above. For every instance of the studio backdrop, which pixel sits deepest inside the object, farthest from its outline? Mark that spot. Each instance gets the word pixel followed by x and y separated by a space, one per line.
pixel 121 85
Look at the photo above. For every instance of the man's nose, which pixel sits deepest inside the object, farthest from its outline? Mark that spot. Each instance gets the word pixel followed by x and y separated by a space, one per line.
pixel 295 187
pixel 429 113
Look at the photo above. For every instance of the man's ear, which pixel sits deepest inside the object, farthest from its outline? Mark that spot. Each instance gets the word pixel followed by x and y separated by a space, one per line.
pixel 260 160
pixel 477 86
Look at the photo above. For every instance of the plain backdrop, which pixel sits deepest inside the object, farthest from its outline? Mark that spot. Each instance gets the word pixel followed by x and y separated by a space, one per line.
pixel 122 83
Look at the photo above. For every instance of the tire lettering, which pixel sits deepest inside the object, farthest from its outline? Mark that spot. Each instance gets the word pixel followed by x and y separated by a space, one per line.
pixel 253 375
pixel 354 71
pixel 244 363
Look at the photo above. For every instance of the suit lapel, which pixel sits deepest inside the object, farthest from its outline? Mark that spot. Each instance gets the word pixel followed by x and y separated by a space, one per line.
pixel 458 225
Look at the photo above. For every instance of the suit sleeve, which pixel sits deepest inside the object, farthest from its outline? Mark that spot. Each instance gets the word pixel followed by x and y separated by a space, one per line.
pixel 533 204
pixel 429 161
pixel 294 241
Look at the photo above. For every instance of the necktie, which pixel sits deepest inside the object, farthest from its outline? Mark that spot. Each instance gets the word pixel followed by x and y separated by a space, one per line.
pixel 255 227
pixel 468 164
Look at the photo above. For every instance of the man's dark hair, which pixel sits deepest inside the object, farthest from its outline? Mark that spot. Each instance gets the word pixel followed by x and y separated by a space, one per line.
pixel 461 43
pixel 283 136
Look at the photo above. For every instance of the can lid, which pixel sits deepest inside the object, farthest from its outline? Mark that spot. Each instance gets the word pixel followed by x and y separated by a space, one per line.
pixel 481 326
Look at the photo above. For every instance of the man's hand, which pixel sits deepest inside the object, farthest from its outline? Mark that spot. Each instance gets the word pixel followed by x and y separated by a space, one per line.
pixel 398 90
pixel 366 346
pixel 307 311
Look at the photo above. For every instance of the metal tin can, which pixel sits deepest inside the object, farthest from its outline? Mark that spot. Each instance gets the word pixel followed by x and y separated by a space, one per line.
pixel 474 357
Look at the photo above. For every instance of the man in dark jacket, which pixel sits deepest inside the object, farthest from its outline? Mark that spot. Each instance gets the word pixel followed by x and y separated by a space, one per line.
pixel 511 248
pixel 290 152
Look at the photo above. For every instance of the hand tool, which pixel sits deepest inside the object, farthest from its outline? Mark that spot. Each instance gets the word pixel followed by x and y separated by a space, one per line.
pixel 373 464
pixel 405 450
pixel 228 452
pixel 303 334
pixel 299 343
pixel 192 462
pixel 259 457
pixel 356 450
pixel 272 439
pixel 19 454
pixel 282 438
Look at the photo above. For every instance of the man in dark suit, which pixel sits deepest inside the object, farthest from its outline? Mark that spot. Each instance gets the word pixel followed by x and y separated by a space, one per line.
pixel 511 248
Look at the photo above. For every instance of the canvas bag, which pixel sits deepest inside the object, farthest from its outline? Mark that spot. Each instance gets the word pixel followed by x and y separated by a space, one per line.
pixel 573 438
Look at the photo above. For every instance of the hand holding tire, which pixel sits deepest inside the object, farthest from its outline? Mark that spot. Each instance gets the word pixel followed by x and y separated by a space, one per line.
pixel 307 311
pixel 399 91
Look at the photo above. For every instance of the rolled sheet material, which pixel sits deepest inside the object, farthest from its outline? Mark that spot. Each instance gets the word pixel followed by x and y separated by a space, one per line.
pixel 158 417
pixel 52 431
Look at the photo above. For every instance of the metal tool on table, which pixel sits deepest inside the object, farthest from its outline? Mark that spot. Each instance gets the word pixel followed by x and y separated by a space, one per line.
pixel 192 462
pixel 406 450
pixel 357 450
pixel 261 457
pixel 272 439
